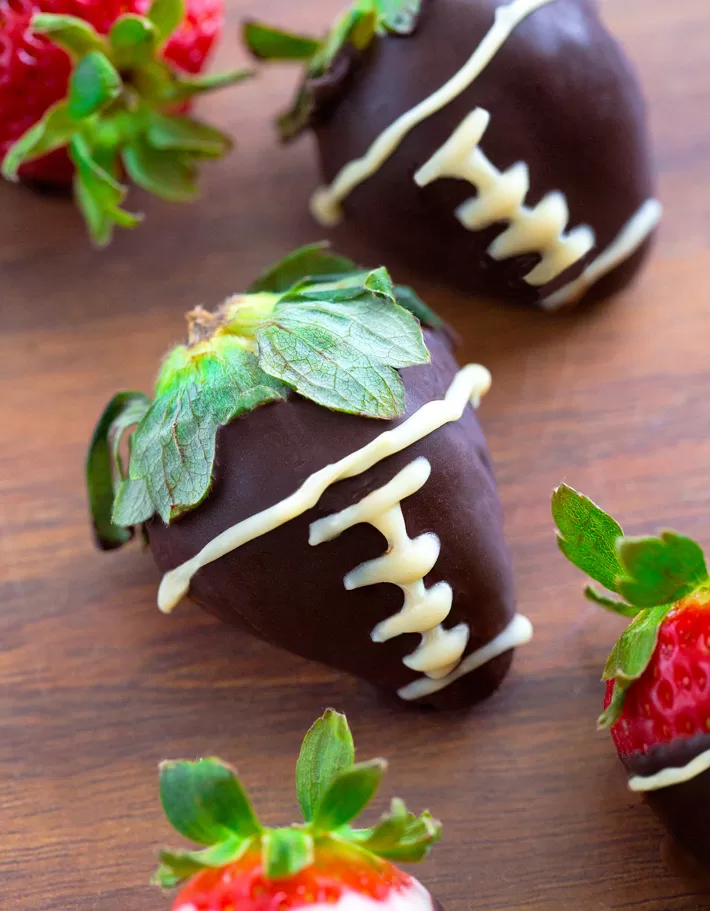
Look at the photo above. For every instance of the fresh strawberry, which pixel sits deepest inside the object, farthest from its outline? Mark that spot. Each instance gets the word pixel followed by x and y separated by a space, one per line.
pixel 300 423
pixel 657 700
pixel 91 91
pixel 330 879
pixel 320 862
pixel 671 699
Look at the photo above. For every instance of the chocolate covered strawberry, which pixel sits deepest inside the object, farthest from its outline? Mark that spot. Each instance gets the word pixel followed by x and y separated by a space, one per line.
pixel 95 92
pixel 499 144
pixel 321 862
pixel 657 703
pixel 311 467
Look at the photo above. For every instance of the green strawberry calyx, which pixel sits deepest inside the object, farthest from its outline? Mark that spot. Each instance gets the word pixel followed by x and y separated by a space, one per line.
pixel 316 325
pixel 650 574
pixel 121 116
pixel 205 802
pixel 353 32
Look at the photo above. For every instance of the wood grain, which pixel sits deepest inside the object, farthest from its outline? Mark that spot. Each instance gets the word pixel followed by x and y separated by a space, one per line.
pixel 97 686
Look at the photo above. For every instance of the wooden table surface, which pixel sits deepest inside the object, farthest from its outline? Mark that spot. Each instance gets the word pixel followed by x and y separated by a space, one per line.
pixel 96 686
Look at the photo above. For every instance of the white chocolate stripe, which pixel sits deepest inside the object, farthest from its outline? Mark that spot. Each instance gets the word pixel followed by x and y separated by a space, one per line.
pixel 469 384
pixel 624 245
pixel 670 776
pixel 325 204
pixel 518 632
pixel 501 197
pixel 405 564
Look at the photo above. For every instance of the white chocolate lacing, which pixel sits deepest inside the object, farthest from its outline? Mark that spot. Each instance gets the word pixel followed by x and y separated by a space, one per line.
pixel 670 776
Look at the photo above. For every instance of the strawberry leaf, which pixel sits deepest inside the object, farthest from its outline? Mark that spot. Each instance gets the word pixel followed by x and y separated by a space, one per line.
pixel 660 570
pixel 183 88
pixel 104 471
pixel 326 751
pixel 174 446
pixel 611 604
pixel 320 367
pixel 348 794
pixel 388 830
pixel 94 84
pixel 587 536
pixel 400 835
pixel 341 348
pixel 613 711
pixel 134 40
pixel 205 801
pixel 286 852
pixel 357 27
pixel 302 266
pixel 634 649
pixel 268 43
pixel 291 123
pixel 377 328
pixel 166 16
pixel 183 134
pixel 53 131
pixel 410 300
pixel 168 175
pixel 76 36
pixel 178 866
pixel 98 194
pixel 133 504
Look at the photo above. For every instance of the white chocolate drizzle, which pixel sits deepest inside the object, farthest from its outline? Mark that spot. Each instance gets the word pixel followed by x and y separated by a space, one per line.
pixel 518 632
pixel 624 245
pixel 501 197
pixel 405 564
pixel 469 385
pixel 325 204
pixel 670 776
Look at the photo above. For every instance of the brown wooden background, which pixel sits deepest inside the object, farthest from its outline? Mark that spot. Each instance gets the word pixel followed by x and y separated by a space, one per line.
pixel 96 686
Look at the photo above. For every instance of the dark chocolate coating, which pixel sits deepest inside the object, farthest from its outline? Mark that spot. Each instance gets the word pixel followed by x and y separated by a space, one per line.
pixel 683 808
pixel 563 98
pixel 291 593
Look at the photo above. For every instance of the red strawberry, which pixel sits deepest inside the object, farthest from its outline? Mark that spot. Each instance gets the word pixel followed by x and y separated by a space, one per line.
pixel 149 54
pixel 671 699
pixel 321 862
pixel 657 701
pixel 331 880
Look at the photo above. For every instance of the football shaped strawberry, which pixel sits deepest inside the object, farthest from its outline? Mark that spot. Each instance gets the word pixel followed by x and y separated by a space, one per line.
pixel 94 92
pixel 657 703
pixel 499 144
pixel 311 467
pixel 322 862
